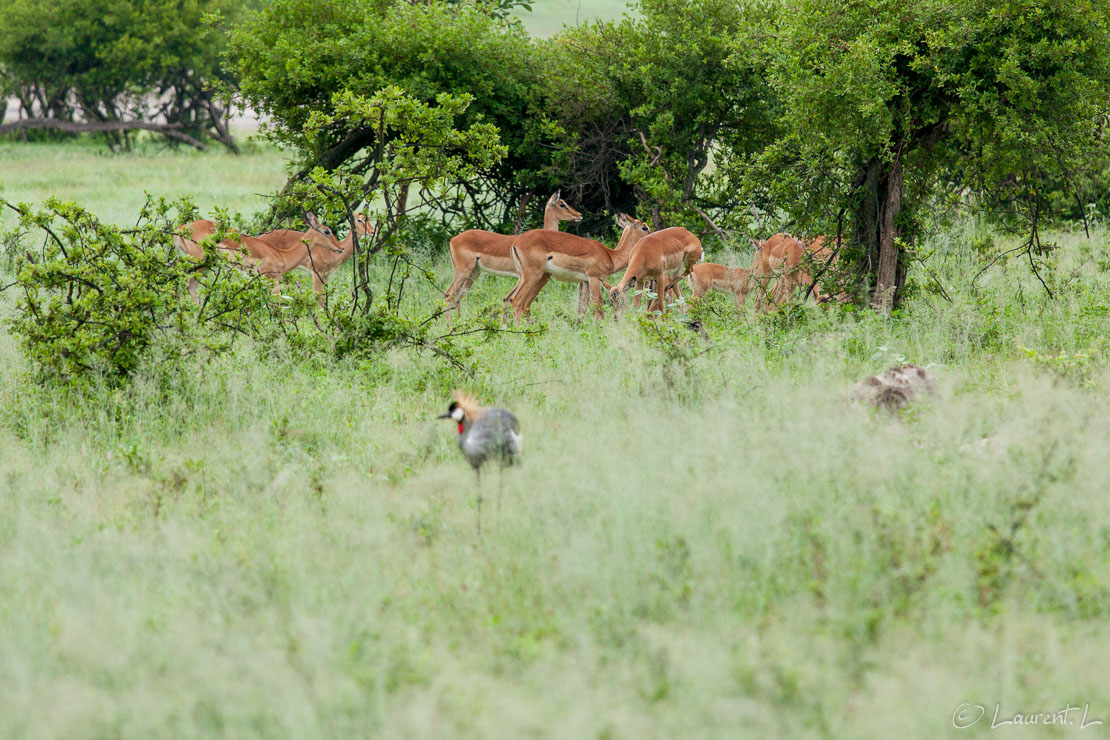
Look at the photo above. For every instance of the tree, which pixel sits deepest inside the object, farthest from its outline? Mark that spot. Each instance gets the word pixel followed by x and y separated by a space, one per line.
pixel 647 102
pixel 887 96
pixel 111 63
pixel 295 56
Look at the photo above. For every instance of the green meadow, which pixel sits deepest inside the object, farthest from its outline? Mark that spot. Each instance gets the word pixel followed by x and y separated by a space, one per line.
pixel 707 537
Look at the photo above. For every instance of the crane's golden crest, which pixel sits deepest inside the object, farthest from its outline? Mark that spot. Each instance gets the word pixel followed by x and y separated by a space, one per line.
pixel 469 404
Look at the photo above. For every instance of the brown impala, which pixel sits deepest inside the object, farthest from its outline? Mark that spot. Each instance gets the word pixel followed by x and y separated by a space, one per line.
pixel 541 255
pixel 322 264
pixel 707 276
pixel 665 257
pixel 269 261
pixel 475 251
pixel 794 260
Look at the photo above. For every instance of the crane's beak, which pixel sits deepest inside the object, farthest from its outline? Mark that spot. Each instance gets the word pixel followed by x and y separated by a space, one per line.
pixel 445 416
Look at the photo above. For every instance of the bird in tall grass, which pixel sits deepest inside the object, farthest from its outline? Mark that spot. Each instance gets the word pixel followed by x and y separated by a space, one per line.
pixel 485 435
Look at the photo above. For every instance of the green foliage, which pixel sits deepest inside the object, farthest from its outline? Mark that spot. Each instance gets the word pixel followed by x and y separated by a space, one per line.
pixel 1075 367
pixel 99 303
pixel 886 97
pixel 119 60
pixel 707 528
pixel 297 59
pixel 646 102
pixel 417 156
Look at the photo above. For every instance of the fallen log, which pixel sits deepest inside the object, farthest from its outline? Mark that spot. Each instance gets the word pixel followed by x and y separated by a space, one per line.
pixel 169 130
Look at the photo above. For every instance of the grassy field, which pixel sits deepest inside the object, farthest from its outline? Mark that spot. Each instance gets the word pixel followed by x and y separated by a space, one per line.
pixel 113 185
pixel 708 541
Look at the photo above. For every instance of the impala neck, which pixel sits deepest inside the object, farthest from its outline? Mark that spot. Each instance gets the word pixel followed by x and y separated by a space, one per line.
pixel 551 219
pixel 347 245
pixel 623 251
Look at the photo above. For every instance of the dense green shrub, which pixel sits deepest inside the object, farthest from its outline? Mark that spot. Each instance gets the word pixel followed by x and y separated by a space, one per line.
pixel 646 103
pixel 295 56
pixel 888 99
pixel 96 301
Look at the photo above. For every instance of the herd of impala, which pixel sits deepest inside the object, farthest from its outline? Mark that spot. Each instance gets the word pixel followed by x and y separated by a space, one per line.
pixel 662 258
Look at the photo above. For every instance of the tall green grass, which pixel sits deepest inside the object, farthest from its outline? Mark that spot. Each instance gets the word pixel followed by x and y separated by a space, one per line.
pixel 112 185
pixel 706 538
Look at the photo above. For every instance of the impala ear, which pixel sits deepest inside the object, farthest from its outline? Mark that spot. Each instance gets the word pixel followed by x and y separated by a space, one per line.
pixel 311 220
pixel 624 220
pixel 554 198
pixel 758 245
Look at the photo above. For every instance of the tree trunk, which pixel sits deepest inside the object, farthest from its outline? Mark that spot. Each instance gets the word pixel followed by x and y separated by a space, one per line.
pixel 886 282
pixel 521 212
pixel 881 274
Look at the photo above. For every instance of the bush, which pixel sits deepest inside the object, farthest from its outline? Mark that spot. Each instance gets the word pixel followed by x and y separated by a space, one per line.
pixel 97 301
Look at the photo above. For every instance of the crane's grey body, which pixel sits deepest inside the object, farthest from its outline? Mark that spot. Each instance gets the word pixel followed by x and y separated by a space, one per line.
pixel 495 435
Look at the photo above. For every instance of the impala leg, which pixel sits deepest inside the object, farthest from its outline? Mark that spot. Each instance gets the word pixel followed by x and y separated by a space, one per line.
pixel 594 286
pixel 761 296
pixel 660 304
pixel 528 294
pixel 464 278
pixel 517 300
pixel 672 287
pixel 509 302
pixel 584 295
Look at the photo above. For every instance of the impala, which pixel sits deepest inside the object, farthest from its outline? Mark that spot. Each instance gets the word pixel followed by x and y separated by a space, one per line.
pixel 322 264
pixel 708 276
pixel 665 257
pixel 267 260
pixel 540 255
pixel 792 259
pixel 475 251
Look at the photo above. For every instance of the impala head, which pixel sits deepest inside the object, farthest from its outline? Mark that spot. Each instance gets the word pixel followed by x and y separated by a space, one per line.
pixel 315 227
pixel 565 212
pixel 363 227
pixel 616 295
pixel 625 221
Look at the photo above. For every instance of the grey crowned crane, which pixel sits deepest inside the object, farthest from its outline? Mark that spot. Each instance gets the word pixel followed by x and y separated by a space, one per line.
pixel 485 435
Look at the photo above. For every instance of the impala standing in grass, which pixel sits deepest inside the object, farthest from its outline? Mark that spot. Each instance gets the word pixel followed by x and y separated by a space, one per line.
pixel 707 276
pixel 793 260
pixel 475 251
pixel 322 263
pixel 541 255
pixel 665 256
pixel 249 251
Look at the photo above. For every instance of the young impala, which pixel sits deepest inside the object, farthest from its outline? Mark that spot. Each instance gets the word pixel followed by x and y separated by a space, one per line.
pixel 249 251
pixel 541 255
pixel 707 276
pixel 794 261
pixel 665 257
pixel 322 263
pixel 475 251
